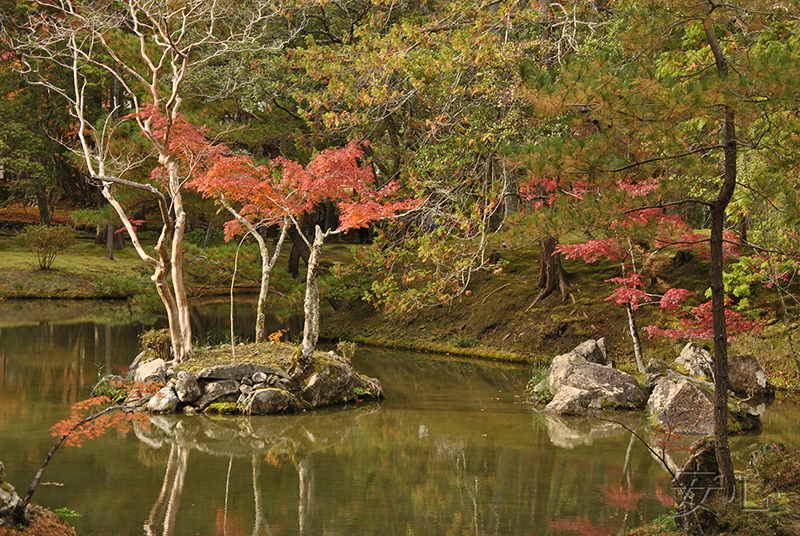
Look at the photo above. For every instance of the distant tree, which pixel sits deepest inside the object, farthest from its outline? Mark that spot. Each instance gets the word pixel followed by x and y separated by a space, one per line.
pixel 47 241
pixel 147 49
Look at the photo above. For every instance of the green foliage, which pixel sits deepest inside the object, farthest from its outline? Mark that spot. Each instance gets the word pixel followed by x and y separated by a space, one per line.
pixel 112 387
pixel 47 241
pixel 538 376
pixel 114 285
pixel 65 513
pixel 197 237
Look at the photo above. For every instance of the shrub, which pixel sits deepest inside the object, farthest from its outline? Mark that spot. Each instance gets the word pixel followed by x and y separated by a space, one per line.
pixel 47 241
pixel 156 343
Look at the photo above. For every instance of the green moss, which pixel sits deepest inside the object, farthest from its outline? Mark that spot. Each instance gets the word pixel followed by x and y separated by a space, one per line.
pixel 223 408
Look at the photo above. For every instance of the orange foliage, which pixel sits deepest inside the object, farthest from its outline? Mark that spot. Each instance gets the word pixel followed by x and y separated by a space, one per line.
pixel 81 425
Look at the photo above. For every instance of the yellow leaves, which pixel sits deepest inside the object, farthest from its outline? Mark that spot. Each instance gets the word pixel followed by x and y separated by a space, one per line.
pixel 275 337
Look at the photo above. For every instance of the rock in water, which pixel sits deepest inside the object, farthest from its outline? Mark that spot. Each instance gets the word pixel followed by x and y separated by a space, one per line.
pixel 164 401
pixel 9 500
pixel 577 385
pixel 187 388
pixel 152 370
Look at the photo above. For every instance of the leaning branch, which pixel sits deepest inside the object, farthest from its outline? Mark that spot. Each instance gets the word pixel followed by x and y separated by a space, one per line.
pixel 24 504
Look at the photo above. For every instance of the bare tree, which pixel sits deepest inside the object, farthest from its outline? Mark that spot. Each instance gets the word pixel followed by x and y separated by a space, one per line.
pixel 147 48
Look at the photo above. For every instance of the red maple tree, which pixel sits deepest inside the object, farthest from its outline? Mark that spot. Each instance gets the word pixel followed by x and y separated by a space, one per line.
pixel 282 190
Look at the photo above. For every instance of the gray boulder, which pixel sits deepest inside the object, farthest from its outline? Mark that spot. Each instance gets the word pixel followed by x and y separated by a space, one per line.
pixel 271 400
pixel 682 405
pixel 236 372
pixel 187 388
pixel 686 406
pixel 9 500
pixel 697 361
pixel 746 378
pixel 152 370
pixel 334 384
pixel 577 385
pixel 593 351
pixel 164 401
pixel 216 390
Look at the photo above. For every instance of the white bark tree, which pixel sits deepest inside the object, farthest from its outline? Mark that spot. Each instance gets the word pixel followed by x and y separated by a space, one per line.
pixel 147 47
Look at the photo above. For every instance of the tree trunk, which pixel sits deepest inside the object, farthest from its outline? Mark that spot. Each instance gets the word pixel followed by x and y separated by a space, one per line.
pixel 637 342
pixel 299 250
pixel 551 274
pixel 267 263
pixel 311 309
pixel 209 234
pixel 719 206
pixel 43 202
pixel 176 258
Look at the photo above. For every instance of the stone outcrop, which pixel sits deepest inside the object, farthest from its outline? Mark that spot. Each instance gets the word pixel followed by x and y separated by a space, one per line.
pixel 696 360
pixel 746 378
pixel 164 401
pixel 679 403
pixel 685 405
pixel 251 389
pixel 151 371
pixel 577 384
pixel 9 500
pixel 593 351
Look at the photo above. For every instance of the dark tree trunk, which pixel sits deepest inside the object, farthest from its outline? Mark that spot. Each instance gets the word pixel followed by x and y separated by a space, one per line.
pixel 719 206
pixel 299 250
pixel 45 211
pixel 209 234
pixel 110 231
pixel 551 274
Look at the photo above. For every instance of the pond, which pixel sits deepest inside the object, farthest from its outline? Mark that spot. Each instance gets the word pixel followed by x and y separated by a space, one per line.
pixel 452 450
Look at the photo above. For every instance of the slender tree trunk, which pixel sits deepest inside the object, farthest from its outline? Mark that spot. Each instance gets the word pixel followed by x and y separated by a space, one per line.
pixel 267 263
pixel 176 258
pixel 637 342
pixel 311 309
pixel 719 206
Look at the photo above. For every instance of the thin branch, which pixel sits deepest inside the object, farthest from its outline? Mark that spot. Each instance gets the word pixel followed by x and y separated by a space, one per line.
pixel 662 158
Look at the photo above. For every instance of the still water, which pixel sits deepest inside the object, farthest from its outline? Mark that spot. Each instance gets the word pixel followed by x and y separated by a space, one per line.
pixel 452 450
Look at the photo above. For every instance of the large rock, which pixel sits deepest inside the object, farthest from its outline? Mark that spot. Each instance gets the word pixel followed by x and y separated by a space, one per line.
pixel 682 405
pixel 187 388
pixel 577 385
pixel 746 378
pixel 217 390
pixel 9 500
pixel 334 384
pixel 236 372
pixel 686 406
pixel 152 370
pixel 696 360
pixel 271 400
pixel 593 351
pixel 164 401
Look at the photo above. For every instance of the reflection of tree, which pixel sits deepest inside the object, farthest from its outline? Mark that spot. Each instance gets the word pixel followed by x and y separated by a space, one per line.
pixel 260 520
pixel 169 499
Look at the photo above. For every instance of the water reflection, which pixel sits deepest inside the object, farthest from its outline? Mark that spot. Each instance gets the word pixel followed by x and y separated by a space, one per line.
pixel 451 450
